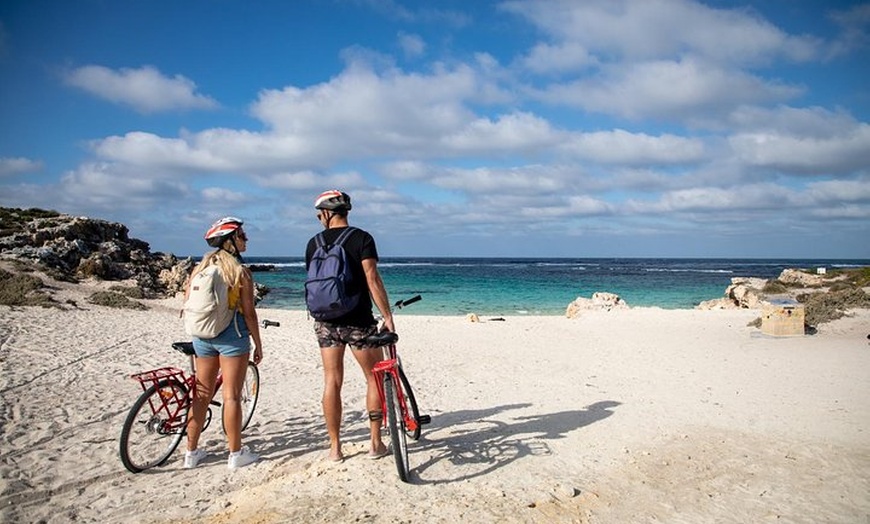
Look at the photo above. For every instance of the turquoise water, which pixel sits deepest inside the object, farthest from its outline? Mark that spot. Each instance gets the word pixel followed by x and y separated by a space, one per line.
pixel 494 286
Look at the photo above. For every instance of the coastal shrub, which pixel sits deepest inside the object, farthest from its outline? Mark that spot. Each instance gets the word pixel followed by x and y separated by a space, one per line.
pixel 128 291
pixel 857 276
pixel 774 287
pixel 840 286
pixel 115 300
pixel 825 307
pixel 13 219
pixel 22 290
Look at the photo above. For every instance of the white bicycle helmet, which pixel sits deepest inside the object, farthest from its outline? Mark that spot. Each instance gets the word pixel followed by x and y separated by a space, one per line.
pixel 221 230
pixel 333 200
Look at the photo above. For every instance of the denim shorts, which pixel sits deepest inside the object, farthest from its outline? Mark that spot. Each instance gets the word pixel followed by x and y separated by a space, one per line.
pixel 228 343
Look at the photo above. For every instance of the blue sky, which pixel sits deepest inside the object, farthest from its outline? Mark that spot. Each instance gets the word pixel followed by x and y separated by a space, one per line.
pixel 576 128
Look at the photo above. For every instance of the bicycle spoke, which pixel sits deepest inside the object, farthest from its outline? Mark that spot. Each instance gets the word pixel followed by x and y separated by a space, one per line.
pixel 154 426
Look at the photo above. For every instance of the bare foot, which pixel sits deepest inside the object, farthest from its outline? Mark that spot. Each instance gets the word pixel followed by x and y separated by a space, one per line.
pixel 335 454
pixel 379 452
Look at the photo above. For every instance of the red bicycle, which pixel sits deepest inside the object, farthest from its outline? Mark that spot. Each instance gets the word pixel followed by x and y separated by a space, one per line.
pixel 157 421
pixel 402 417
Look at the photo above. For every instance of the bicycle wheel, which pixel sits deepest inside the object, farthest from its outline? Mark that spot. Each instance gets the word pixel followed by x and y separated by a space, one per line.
pixel 412 404
pixel 148 438
pixel 397 428
pixel 248 400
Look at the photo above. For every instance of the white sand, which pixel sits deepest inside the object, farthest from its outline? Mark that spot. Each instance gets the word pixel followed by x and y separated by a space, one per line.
pixel 630 416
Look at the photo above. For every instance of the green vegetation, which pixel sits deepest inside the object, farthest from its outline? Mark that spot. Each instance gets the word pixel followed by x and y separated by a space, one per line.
pixel 23 290
pixel 115 300
pixel 825 307
pixel 129 291
pixel 774 287
pixel 858 277
pixel 12 219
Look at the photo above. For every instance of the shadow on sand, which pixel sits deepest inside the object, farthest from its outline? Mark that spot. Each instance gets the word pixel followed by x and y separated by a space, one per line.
pixel 476 438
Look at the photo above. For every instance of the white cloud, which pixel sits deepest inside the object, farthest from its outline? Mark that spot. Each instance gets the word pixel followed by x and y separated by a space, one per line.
pixel 565 57
pixel 670 90
pixel 145 89
pixel 14 166
pixel 361 104
pixel 854 23
pixel 412 46
pixel 105 185
pixel 634 149
pixel 636 30
pixel 224 195
pixel 845 152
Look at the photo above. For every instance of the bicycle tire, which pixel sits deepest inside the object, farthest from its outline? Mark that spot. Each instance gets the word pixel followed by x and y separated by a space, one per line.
pixel 145 443
pixel 249 396
pixel 397 429
pixel 412 403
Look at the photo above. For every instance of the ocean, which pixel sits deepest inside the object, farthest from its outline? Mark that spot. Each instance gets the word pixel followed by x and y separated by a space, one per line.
pixel 540 286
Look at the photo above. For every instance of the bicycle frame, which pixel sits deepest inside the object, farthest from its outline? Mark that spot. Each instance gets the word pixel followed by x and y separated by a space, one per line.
pixel 390 365
pixel 400 414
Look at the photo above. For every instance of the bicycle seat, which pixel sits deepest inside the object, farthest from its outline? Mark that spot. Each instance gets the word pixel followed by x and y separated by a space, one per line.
pixel 385 338
pixel 184 347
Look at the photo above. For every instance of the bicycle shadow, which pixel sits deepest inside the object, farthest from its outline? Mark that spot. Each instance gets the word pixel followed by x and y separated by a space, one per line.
pixel 499 443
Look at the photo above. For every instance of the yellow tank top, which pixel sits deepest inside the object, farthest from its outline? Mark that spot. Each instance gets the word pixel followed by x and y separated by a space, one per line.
pixel 234 297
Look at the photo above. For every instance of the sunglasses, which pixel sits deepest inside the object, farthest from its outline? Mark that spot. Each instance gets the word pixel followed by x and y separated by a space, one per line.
pixel 243 236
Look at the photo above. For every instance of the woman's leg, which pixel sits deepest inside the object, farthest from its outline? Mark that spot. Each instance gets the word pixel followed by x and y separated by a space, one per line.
pixel 367 358
pixel 333 377
pixel 206 374
pixel 234 369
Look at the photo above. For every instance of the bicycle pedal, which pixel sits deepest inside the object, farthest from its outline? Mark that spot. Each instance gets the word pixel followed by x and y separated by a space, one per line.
pixel 424 419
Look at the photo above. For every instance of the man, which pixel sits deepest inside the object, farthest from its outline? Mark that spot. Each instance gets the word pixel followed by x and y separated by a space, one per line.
pixel 350 329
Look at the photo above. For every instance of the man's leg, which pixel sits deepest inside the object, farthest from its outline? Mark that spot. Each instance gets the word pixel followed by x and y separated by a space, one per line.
pixel 367 358
pixel 333 377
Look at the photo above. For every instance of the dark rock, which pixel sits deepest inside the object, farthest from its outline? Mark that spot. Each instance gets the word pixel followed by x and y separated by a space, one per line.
pixel 72 248
pixel 260 267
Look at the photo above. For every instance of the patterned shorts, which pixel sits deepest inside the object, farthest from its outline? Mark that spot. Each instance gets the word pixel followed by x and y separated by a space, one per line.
pixel 332 335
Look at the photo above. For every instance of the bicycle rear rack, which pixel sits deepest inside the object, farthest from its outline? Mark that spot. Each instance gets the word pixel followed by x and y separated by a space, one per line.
pixel 148 378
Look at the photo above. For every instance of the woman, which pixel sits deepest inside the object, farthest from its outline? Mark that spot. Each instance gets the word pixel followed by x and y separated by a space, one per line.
pixel 227 352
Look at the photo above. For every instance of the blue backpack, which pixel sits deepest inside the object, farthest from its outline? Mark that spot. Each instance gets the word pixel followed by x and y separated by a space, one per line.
pixel 329 277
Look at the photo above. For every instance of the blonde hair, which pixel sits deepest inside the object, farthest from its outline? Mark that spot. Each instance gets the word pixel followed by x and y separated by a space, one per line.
pixel 230 267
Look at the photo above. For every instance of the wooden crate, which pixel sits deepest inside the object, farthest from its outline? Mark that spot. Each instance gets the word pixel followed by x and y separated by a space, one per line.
pixel 783 317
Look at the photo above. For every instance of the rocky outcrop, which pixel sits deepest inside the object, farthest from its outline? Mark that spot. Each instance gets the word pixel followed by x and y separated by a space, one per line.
pixel 743 293
pixel 800 278
pixel 600 301
pixel 76 248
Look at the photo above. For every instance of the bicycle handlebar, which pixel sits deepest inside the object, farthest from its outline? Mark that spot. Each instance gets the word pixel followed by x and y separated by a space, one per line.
pixel 408 301
pixel 266 323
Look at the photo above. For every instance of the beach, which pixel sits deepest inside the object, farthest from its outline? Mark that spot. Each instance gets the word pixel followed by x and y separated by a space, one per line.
pixel 635 415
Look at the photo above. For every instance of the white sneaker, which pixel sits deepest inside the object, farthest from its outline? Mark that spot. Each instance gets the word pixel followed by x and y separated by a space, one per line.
pixel 192 458
pixel 241 458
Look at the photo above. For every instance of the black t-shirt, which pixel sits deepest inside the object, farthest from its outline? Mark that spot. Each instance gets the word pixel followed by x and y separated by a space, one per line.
pixel 359 246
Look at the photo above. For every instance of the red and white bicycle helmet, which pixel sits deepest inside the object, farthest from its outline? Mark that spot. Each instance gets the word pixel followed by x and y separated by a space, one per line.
pixel 220 230
pixel 333 200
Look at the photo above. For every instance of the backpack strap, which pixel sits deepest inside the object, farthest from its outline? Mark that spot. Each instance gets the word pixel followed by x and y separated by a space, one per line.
pixel 320 239
pixel 342 238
